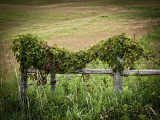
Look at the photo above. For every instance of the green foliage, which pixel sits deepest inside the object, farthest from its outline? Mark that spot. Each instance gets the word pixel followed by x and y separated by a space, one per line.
pixel 29 51
pixel 32 52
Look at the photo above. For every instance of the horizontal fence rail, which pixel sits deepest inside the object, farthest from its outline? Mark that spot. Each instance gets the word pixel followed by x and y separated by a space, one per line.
pixel 103 71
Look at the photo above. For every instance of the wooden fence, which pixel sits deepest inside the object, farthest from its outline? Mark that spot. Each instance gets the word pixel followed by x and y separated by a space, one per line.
pixel 117 82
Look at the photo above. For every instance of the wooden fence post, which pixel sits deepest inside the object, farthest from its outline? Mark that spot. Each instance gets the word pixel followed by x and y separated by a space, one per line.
pixel 53 81
pixel 22 84
pixel 134 36
pixel 117 82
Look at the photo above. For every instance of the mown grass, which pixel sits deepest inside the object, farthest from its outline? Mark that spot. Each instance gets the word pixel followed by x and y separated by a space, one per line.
pixel 38 20
pixel 77 22
pixel 80 25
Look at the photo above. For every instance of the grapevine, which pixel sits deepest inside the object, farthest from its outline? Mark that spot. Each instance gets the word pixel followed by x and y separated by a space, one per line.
pixel 36 53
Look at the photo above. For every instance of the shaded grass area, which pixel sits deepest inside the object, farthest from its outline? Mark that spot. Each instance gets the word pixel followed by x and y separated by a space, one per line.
pixel 129 2
pixel 19 16
pixel 40 2
pixel 44 2
pixel 143 12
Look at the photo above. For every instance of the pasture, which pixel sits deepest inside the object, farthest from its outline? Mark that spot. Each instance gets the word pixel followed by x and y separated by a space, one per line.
pixel 76 26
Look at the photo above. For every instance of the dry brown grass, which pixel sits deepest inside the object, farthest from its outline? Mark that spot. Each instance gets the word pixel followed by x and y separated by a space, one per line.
pixel 99 32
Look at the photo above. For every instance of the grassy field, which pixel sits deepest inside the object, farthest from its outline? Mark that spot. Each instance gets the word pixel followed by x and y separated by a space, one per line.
pixel 64 23
pixel 77 25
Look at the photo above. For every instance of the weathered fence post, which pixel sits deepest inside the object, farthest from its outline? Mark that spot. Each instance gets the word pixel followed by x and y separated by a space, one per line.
pixel 22 84
pixel 53 81
pixel 22 80
pixel 118 79
pixel 134 36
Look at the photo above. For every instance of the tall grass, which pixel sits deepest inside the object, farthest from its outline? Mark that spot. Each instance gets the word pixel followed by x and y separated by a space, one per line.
pixel 73 100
